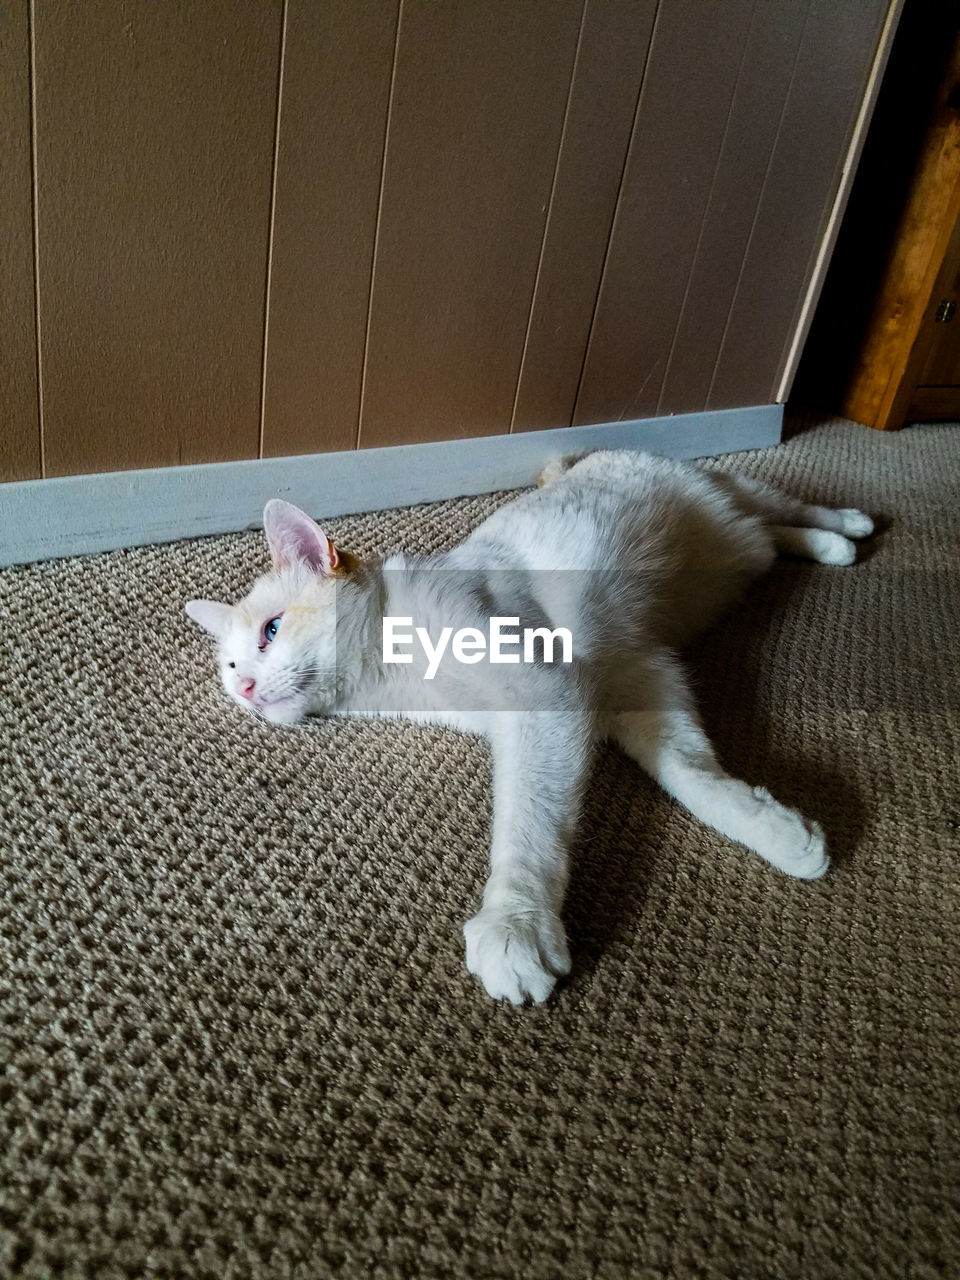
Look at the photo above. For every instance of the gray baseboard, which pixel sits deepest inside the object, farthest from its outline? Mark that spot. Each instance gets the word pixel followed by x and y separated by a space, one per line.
pixel 77 515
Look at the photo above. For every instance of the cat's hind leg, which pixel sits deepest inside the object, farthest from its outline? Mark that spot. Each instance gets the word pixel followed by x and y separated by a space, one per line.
pixel 782 509
pixel 668 740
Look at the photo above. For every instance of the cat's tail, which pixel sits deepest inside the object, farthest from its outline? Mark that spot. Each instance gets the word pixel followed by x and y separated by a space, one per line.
pixel 558 467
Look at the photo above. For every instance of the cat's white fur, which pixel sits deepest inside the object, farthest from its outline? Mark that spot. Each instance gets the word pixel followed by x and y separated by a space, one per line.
pixel 635 554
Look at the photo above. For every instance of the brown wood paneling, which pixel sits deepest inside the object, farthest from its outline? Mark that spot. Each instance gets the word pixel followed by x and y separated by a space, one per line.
pixel 761 90
pixel 293 226
pixel 694 62
pixel 478 104
pixel 613 47
pixel 833 65
pixel 333 110
pixel 155 143
pixel 20 425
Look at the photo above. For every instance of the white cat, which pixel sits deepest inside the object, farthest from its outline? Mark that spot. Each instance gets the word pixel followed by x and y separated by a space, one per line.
pixel 633 555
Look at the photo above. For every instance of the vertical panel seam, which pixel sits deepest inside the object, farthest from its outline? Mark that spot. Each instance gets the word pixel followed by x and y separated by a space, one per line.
pixel 756 213
pixel 270 231
pixel 376 230
pixel 549 216
pixel 706 210
pixel 35 221
pixel 616 210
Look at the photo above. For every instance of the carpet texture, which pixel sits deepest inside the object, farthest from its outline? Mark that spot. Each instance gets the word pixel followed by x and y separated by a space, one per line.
pixel 238 1038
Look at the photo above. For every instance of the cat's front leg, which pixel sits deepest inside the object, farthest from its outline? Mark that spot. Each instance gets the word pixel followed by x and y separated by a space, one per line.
pixel 516 944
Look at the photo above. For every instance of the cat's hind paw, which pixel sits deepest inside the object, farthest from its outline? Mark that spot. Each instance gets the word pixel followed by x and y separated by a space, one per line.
pixel 790 841
pixel 517 955
pixel 856 524
pixel 829 548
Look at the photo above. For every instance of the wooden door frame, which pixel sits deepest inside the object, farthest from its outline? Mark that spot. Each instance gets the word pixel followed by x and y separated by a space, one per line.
pixel 900 330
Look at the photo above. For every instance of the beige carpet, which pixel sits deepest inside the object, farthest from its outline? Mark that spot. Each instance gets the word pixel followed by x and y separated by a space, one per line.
pixel 237 1033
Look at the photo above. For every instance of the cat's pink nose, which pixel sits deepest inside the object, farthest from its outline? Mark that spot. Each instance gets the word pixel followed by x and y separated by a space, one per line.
pixel 246 687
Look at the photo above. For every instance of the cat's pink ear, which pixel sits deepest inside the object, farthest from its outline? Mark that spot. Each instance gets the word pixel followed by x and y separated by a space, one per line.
pixel 211 615
pixel 296 539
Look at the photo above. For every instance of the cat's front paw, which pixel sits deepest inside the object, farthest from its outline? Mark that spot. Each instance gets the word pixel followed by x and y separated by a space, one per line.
pixel 517 954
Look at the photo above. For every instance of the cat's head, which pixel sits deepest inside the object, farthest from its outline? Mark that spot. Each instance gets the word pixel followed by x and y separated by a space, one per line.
pixel 276 649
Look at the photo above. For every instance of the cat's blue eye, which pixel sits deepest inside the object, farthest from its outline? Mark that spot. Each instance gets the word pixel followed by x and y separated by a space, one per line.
pixel 270 630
